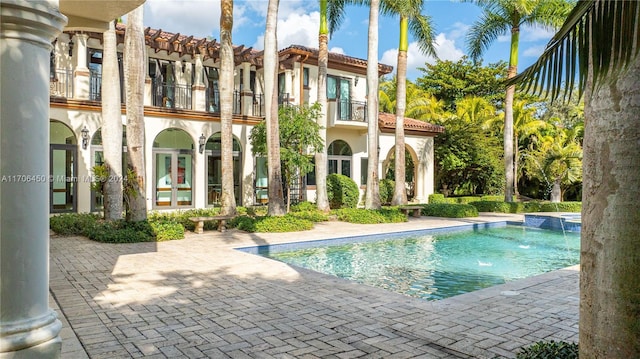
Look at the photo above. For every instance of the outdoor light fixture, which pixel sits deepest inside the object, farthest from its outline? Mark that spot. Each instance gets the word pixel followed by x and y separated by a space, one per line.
pixel 202 142
pixel 85 137
pixel 355 82
pixel 71 47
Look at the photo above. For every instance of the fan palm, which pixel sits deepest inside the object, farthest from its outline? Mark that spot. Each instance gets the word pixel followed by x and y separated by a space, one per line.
pixel 498 18
pixel 411 19
pixel 599 44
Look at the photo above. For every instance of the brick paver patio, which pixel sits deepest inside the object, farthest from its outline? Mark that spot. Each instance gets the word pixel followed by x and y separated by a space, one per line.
pixel 200 298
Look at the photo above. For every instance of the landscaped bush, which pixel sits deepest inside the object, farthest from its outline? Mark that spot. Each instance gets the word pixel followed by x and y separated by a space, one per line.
pixel 286 223
pixel 313 215
pixel 166 230
pixel 493 206
pixel 451 210
pixel 303 206
pixel 561 207
pixel 120 232
pixel 387 187
pixel 550 349
pixel 72 223
pixel 366 216
pixel 437 198
pixel 342 191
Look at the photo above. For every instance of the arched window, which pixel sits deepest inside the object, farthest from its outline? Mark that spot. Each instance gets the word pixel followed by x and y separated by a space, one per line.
pixel 339 155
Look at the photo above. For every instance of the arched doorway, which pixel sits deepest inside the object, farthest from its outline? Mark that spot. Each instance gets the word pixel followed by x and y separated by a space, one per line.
pixel 410 169
pixel 214 169
pixel 97 159
pixel 339 155
pixel 173 169
pixel 63 168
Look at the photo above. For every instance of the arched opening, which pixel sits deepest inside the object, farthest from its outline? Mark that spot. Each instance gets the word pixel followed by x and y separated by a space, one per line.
pixel 214 169
pixel 173 169
pixel 339 155
pixel 410 169
pixel 97 159
pixel 63 168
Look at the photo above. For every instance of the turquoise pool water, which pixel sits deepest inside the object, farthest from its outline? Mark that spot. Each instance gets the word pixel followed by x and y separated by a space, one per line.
pixel 436 266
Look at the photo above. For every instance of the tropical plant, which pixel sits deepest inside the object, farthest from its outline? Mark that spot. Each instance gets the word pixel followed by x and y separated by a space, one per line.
pixel 299 133
pixel 134 55
pixel 498 18
pixel 111 126
pixel 420 104
pixel 372 196
pixel 411 18
pixel 227 200
pixel 276 200
pixel 598 45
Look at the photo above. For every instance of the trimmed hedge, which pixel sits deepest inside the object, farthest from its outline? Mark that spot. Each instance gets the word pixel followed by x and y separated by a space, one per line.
pixel 561 207
pixel 550 349
pixel 94 228
pixel 342 191
pixel 440 198
pixel 450 210
pixel 526 207
pixel 366 216
pixel 387 186
pixel 271 224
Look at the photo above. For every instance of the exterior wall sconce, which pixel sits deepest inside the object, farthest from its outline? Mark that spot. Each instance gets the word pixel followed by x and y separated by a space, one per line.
pixel 85 137
pixel 202 141
pixel 355 81
pixel 71 47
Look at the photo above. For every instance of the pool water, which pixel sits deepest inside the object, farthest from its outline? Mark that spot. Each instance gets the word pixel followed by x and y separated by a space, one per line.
pixel 437 266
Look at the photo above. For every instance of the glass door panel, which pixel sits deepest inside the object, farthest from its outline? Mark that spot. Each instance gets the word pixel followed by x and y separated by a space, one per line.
pixel 63 178
pixel 183 180
pixel 164 177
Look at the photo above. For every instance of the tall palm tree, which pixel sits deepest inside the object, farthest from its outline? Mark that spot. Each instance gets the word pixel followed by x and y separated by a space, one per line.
pixel 598 44
pixel 111 126
pixel 372 196
pixel 331 15
pixel 411 18
pixel 498 18
pixel 276 200
pixel 227 200
pixel 134 51
pixel 420 104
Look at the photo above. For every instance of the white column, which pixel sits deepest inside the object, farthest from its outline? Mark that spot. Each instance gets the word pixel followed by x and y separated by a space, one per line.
pixel 147 80
pixel 246 93
pixel 198 91
pixel 288 85
pixel 80 70
pixel 28 327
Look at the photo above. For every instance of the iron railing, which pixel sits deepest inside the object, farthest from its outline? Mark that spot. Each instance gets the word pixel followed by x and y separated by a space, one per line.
pixel 352 111
pixel 61 83
pixel 169 95
pixel 213 101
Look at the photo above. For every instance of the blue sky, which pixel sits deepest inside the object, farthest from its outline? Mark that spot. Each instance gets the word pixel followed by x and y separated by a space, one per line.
pixel 298 24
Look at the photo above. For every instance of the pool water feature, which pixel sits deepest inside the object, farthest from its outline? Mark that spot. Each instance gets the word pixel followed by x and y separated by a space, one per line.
pixel 440 265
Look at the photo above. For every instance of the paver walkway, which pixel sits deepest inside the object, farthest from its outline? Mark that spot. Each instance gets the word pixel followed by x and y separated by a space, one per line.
pixel 200 298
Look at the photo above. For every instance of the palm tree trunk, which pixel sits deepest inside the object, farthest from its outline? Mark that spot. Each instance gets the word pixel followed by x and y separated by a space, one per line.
pixel 134 50
pixel 322 199
pixel 276 200
pixel 372 197
pixel 228 200
pixel 516 158
pixel 508 116
pixel 399 192
pixel 610 254
pixel 111 126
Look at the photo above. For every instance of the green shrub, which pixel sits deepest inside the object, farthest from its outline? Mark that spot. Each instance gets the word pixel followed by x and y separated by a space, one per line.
pixel 492 198
pixel 342 191
pixel 387 187
pixel 492 206
pixel 303 206
pixel 550 349
pixel 451 210
pixel 436 198
pixel 561 207
pixel 72 223
pixel 366 216
pixel 120 232
pixel 286 223
pixel 243 223
pixel 166 230
pixel 313 215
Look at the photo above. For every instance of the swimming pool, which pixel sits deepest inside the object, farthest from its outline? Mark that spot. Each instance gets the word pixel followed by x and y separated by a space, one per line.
pixel 436 265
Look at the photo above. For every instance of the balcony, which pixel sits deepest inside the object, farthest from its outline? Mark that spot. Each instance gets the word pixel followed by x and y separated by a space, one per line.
pixel 352 111
pixel 61 83
pixel 213 102
pixel 170 95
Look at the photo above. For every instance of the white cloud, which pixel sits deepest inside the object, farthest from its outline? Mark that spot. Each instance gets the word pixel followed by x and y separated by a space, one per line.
pixel 533 34
pixel 295 29
pixel 534 51
pixel 445 49
pixel 337 50
pixel 458 30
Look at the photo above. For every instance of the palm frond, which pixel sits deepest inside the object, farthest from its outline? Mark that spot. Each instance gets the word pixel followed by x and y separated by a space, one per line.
pixel 484 31
pixel 603 34
pixel 422 30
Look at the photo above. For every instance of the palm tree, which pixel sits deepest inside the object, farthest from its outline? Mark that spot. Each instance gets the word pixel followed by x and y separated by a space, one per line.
pixel 111 126
pixel 499 17
pixel 134 50
pixel 598 44
pixel 227 200
pixel 410 15
pixel 372 196
pixel 276 200
pixel 420 104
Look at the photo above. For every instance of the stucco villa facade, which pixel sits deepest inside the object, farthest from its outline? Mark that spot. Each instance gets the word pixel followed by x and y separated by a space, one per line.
pixel 182 121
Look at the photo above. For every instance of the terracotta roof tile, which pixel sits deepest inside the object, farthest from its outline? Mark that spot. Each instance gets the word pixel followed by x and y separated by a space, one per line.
pixel 388 121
